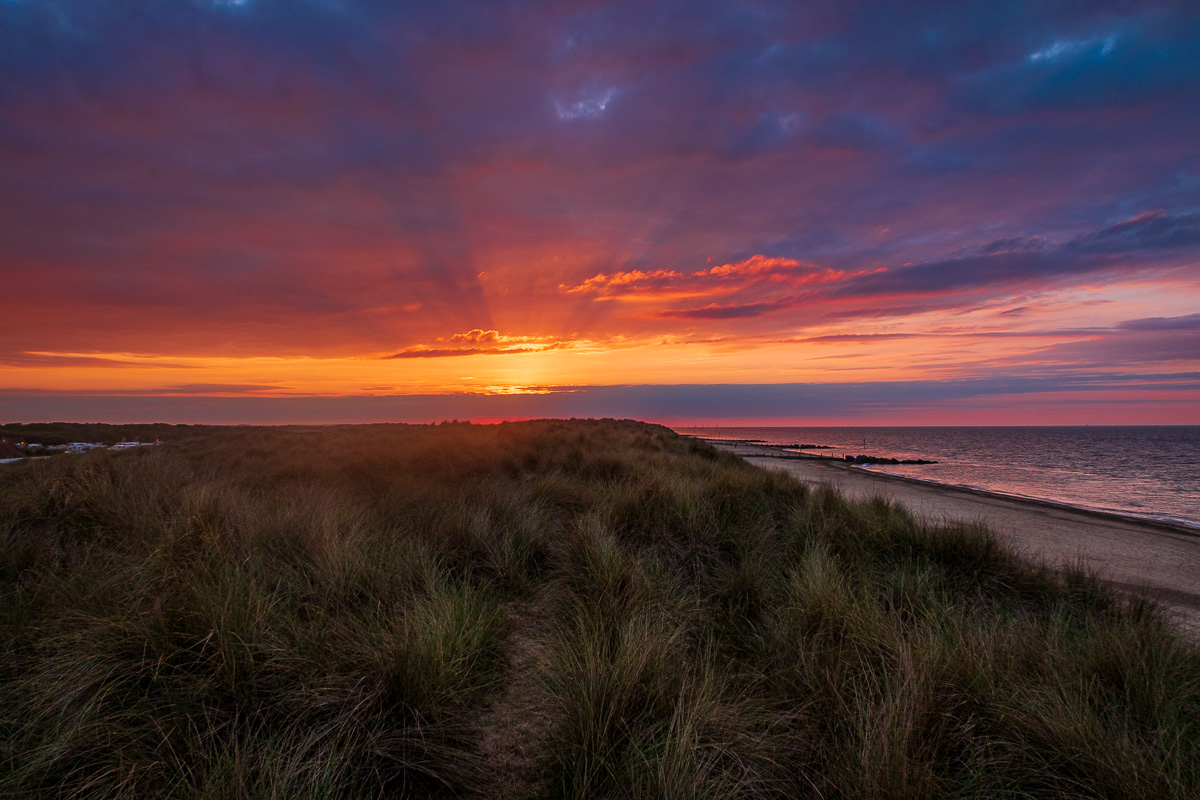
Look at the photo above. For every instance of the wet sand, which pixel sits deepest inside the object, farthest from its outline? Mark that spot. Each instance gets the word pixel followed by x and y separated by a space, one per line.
pixel 1161 561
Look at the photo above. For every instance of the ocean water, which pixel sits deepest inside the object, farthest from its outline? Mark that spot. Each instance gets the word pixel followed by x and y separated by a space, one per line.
pixel 1148 471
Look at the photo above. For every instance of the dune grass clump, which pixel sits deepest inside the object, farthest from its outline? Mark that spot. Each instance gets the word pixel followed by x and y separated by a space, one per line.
pixel 558 609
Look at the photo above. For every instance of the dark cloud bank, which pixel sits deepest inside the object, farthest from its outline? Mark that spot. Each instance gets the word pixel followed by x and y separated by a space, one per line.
pixel 701 401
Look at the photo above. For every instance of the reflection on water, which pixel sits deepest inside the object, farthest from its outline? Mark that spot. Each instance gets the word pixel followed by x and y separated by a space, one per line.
pixel 1149 471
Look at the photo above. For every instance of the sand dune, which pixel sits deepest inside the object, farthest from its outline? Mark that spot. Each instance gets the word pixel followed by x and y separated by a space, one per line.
pixel 1159 560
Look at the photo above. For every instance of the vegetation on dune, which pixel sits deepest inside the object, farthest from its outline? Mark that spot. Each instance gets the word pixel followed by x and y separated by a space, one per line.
pixel 548 609
pixel 57 433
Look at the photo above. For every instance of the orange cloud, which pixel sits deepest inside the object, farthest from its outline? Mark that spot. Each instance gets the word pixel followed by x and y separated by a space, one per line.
pixel 755 265
pixel 425 352
pixel 603 282
pixel 777 270
pixel 754 287
pixel 480 342
pixel 714 281
pixel 475 336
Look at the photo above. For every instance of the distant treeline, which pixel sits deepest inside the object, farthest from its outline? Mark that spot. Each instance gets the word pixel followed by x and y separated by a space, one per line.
pixel 52 433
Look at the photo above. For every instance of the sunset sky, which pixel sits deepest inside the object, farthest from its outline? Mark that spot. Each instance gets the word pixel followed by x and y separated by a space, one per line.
pixel 841 212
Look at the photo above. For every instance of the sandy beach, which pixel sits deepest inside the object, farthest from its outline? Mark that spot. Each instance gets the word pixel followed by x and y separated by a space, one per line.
pixel 1158 560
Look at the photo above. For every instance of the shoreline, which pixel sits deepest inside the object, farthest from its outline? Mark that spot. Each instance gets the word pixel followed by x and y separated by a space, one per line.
pixel 1156 559
pixel 777 452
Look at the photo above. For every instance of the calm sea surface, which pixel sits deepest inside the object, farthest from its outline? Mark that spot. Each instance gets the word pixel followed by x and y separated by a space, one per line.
pixel 1148 471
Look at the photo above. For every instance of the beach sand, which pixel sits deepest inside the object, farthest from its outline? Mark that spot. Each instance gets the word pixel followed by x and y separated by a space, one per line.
pixel 1160 561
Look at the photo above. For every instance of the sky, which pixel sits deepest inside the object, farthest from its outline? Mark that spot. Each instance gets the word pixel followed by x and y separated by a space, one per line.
pixel 274 211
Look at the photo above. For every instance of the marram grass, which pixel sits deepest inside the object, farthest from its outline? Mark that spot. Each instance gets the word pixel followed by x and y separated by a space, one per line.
pixel 576 609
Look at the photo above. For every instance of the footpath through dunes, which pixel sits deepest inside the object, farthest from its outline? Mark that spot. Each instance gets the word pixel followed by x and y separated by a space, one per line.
pixel 515 728
pixel 1159 560
pixel 549 609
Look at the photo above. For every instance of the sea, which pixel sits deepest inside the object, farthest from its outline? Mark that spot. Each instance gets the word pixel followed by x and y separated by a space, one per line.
pixel 1144 471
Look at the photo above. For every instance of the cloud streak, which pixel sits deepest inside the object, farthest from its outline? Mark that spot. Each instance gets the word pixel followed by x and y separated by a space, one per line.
pixel 480 342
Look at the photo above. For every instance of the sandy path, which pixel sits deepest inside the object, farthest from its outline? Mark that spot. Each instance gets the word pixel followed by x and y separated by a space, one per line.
pixel 1158 560
pixel 515 728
